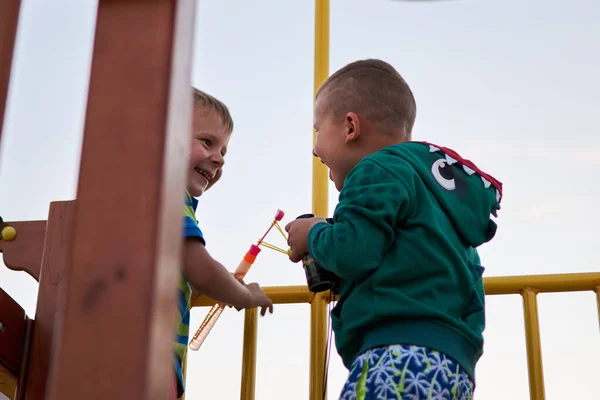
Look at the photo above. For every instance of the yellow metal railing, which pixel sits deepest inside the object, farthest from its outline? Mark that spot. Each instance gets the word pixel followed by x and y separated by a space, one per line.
pixel 528 286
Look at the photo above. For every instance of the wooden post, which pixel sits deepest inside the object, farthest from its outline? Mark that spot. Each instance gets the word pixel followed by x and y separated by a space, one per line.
pixel 9 17
pixel 116 318
pixel 51 278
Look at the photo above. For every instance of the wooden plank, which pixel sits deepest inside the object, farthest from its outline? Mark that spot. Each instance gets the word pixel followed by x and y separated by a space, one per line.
pixel 116 318
pixel 24 253
pixel 60 222
pixel 12 332
pixel 23 372
pixel 9 18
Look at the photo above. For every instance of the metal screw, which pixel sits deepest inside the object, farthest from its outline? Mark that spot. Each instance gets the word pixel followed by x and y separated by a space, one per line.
pixel 1 327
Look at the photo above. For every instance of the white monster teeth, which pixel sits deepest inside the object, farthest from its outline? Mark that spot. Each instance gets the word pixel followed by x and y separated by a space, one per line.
pixel 468 170
pixel 450 160
pixel 486 183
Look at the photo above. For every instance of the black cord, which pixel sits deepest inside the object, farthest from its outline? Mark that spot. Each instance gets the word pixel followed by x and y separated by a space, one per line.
pixel 327 345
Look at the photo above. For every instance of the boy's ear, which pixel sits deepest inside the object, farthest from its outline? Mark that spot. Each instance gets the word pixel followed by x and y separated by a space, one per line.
pixel 351 127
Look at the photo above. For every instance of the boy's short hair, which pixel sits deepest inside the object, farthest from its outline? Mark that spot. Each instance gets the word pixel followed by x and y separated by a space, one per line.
pixel 374 89
pixel 211 103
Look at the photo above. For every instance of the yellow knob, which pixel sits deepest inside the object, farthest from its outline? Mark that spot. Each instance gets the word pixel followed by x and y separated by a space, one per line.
pixel 9 233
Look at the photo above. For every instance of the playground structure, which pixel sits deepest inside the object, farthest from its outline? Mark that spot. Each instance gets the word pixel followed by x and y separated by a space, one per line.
pixel 83 264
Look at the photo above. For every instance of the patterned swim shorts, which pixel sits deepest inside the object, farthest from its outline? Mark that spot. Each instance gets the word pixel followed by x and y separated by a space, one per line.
pixel 406 373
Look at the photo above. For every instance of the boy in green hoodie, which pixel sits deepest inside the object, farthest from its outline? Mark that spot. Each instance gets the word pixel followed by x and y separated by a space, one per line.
pixel 410 315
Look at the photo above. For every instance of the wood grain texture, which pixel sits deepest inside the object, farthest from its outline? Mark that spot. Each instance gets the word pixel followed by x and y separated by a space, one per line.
pixel 55 255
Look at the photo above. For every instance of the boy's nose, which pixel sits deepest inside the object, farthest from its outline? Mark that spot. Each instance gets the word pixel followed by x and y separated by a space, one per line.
pixel 218 159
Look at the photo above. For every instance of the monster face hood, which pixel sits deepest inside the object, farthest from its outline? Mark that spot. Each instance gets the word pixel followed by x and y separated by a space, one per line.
pixel 466 194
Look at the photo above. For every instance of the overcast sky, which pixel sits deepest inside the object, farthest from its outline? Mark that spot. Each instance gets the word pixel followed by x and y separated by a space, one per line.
pixel 511 85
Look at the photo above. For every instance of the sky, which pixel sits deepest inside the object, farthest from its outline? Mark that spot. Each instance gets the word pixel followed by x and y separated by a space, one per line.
pixel 511 85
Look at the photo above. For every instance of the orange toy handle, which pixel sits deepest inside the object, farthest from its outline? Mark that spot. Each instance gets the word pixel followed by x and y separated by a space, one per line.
pixel 246 263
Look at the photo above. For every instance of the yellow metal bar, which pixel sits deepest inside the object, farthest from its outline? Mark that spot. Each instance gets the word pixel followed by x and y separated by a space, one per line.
pixel 289 294
pixel 320 189
pixel 493 286
pixel 542 283
pixel 318 306
pixel 249 354
pixel 532 340
pixel 318 341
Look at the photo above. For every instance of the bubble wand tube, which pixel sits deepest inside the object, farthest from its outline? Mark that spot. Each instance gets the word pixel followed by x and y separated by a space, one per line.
pixel 240 272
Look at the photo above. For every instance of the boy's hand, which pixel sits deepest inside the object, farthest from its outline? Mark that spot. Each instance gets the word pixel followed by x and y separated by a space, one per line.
pixel 298 236
pixel 260 299
pixel 238 308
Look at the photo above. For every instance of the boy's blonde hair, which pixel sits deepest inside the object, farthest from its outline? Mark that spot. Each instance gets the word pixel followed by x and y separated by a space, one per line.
pixel 374 89
pixel 211 103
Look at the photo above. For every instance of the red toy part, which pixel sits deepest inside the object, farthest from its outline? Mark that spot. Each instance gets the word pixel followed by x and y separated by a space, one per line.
pixel 254 250
pixel 279 215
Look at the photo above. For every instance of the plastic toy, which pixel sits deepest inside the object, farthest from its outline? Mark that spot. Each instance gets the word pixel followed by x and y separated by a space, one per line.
pixel 240 272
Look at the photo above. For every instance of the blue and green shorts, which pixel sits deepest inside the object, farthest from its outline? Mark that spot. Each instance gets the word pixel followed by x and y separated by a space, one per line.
pixel 406 373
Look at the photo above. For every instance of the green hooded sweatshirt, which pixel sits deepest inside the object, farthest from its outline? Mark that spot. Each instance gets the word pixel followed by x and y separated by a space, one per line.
pixel 403 242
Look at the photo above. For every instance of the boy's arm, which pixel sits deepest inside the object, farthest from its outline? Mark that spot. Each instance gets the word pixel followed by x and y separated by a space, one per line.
pixel 197 293
pixel 370 203
pixel 200 269
pixel 208 276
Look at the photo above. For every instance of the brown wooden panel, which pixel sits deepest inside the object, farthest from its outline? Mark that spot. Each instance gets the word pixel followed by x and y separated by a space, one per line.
pixel 9 18
pixel 116 315
pixel 12 332
pixel 23 372
pixel 60 222
pixel 24 253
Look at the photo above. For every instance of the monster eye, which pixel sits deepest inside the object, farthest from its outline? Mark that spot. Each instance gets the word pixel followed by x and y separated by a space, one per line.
pixel 442 172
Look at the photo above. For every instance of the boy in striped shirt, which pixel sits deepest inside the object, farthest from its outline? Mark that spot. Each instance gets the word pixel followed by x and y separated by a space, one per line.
pixel 211 129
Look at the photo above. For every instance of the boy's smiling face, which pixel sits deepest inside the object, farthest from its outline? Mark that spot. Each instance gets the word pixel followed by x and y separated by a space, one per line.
pixel 331 144
pixel 210 138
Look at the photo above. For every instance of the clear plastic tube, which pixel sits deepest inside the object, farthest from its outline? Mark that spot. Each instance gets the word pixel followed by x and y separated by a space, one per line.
pixel 204 330
pixel 216 310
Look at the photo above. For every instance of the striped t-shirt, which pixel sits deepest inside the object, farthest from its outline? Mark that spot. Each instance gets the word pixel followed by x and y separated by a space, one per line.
pixel 190 229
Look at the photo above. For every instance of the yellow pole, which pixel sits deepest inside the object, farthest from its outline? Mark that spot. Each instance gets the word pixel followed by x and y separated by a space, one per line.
pixel 533 345
pixel 318 307
pixel 318 336
pixel 320 174
pixel 249 354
